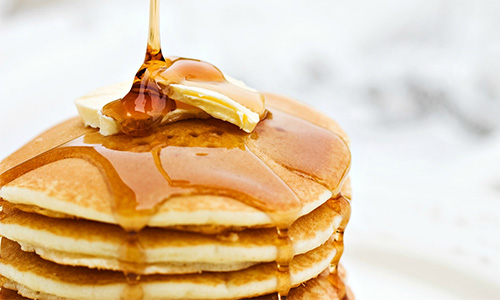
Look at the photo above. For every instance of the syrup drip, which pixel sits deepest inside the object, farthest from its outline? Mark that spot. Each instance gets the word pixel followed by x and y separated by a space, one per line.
pixel 342 206
pixel 132 257
pixel 284 246
pixel 133 290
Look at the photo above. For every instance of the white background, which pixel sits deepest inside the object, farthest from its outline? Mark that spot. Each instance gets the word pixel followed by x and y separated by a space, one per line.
pixel 415 83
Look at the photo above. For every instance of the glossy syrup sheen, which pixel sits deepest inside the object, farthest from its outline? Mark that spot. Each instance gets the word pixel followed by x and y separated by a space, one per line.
pixel 143 108
pixel 205 157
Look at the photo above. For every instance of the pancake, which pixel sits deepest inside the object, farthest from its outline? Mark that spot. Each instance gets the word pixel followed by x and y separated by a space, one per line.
pixel 98 245
pixel 29 270
pixel 77 187
pixel 319 288
pixel 196 210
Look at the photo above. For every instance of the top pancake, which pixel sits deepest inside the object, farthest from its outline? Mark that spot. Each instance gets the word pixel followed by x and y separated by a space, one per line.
pixel 234 179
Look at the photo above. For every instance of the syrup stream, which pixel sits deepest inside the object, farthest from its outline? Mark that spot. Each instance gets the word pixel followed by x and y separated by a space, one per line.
pixel 153 51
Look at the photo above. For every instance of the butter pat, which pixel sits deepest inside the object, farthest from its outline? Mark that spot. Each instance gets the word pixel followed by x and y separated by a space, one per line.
pixel 197 103
pixel 216 104
pixel 89 107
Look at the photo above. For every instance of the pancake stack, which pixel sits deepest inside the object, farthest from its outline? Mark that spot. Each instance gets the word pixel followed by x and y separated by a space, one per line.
pixel 197 210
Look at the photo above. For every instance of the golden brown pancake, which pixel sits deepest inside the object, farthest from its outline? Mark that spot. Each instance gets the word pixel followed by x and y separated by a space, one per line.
pixel 77 187
pixel 29 270
pixel 196 210
pixel 94 244
pixel 319 288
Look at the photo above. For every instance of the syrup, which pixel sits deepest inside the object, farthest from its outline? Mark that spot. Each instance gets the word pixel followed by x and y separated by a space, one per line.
pixel 143 173
pixel 150 164
pixel 342 206
pixel 144 105
pixel 142 110
pixel 284 256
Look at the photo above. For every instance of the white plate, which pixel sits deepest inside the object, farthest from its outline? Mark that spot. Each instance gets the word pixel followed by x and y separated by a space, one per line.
pixel 375 274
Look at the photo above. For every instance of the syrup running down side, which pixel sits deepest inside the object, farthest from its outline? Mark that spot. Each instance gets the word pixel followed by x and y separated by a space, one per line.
pixel 205 157
pixel 343 206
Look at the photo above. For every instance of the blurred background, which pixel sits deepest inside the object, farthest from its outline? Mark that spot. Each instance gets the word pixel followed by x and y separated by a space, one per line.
pixel 415 83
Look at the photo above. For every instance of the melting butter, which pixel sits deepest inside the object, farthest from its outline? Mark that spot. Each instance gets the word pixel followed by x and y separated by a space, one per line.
pixel 198 89
pixel 90 107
